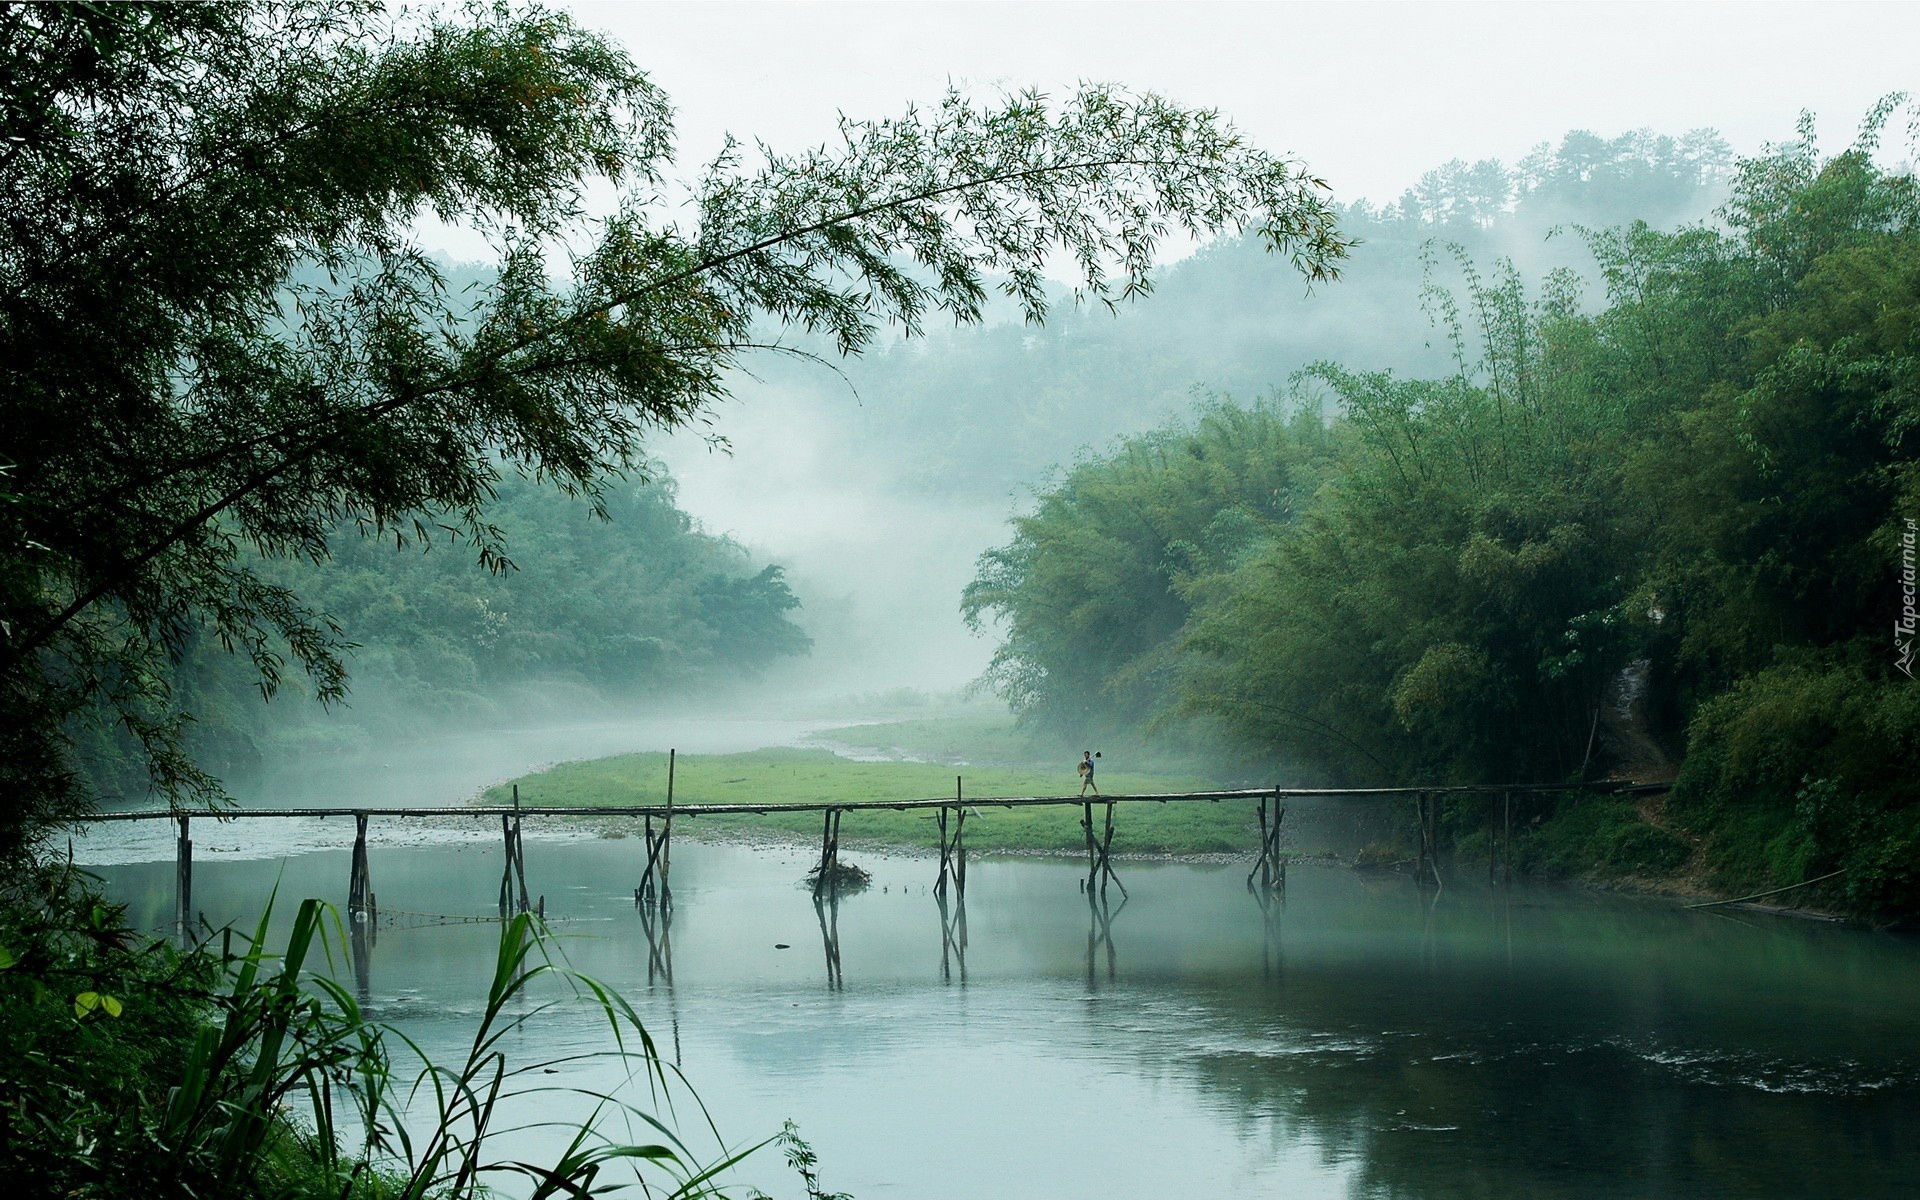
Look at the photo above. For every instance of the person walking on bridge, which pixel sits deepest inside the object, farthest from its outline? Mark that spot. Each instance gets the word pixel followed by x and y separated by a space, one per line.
pixel 1086 772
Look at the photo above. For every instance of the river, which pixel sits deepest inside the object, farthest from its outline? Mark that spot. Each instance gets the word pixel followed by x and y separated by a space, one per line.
pixel 1361 1039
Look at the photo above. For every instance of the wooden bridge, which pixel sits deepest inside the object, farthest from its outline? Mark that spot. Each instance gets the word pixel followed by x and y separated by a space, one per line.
pixel 1268 872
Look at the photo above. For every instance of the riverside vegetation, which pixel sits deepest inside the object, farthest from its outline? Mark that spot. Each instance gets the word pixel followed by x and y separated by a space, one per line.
pixel 1668 527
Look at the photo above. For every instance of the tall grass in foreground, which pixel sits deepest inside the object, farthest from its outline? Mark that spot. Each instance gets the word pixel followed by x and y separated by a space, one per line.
pixel 132 1069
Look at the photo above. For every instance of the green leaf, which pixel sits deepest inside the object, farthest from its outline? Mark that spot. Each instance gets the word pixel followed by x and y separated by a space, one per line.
pixel 88 1002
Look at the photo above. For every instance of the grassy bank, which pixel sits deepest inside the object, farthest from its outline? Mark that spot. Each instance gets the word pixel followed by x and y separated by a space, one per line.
pixel 791 776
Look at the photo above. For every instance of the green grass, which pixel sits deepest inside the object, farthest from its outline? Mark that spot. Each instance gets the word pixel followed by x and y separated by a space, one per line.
pixel 787 776
pixel 986 740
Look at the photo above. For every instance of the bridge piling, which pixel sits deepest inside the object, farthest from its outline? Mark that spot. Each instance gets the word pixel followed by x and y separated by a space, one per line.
pixel 516 865
pixel 183 883
pixel 946 853
pixel 1427 820
pixel 959 841
pixel 827 874
pixel 666 834
pixel 828 911
pixel 1270 865
pixel 1106 861
pixel 359 880
pixel 1506 841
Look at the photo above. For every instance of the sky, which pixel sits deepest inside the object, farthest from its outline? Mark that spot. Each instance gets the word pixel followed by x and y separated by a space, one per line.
pixel 1368 95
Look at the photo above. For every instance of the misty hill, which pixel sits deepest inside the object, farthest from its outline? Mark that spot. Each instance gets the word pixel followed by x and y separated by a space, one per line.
pixel 641 606
pixel 975 412
pixel 880 490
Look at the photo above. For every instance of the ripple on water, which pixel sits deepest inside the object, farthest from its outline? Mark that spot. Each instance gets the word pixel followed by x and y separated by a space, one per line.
pixel 1765 1072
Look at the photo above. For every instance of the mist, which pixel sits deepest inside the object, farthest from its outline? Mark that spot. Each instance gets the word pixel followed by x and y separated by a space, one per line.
pixel 877 482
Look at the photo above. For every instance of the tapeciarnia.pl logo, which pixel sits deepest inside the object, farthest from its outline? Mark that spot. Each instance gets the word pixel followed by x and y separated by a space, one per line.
pixel 1903 625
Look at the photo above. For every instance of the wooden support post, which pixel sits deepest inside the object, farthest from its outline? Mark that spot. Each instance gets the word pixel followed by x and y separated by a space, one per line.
pixel 1260 861
pixel 1106 860
pixel 183 883
pixel 827 875
pixel 829 913
pixel 1427 815
pixel 1420 833
pixel 506 872
pixel 1093 850
pixel 940 880
pixel 959 840
pixel 666 836
pixel 1493 844
pixel 1506 843
pixel 645 891
pixel 359 883
pixel 519 852
pixel 1270 865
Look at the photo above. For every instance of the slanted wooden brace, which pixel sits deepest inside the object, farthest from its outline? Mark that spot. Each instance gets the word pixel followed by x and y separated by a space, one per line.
pixel 655 887
pixel 1100 852
pixel 827 876
pixel 1270 865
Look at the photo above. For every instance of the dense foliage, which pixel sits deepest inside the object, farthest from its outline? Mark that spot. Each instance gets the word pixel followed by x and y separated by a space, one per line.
pixel 219 340
pixel 228 1072
pixel 1668 524
pixel 632 605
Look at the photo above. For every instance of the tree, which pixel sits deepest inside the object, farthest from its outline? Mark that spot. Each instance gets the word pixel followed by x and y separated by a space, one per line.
pixel 219 336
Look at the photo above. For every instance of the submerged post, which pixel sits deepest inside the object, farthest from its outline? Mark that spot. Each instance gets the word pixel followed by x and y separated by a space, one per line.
pixel 359 882
pixel 516 866
pixel 183 882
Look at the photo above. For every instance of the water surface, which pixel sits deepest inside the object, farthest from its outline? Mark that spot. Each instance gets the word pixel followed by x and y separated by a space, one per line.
pixel 1360 1040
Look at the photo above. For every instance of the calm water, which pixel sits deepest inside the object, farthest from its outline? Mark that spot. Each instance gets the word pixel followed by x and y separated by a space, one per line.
pixel 1186 1043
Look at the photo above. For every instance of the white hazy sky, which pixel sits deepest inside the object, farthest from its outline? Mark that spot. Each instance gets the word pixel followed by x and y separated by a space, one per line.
pixel 1370 94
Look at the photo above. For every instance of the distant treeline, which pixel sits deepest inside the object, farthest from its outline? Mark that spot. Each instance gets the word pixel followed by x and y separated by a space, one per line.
pixel 973 414
pixel 636 602
pixel 1669 519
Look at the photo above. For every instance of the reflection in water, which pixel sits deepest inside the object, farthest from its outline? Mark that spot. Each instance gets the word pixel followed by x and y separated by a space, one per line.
pixel 1540 1043
pixel 1100 931
pixel 828 912
pixel 953 937
pixel 656 921
pixel 1273 952
pixel 365 935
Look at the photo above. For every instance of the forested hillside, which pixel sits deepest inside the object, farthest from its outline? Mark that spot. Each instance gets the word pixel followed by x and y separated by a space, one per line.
pixel 1681 497
pixel 636 604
